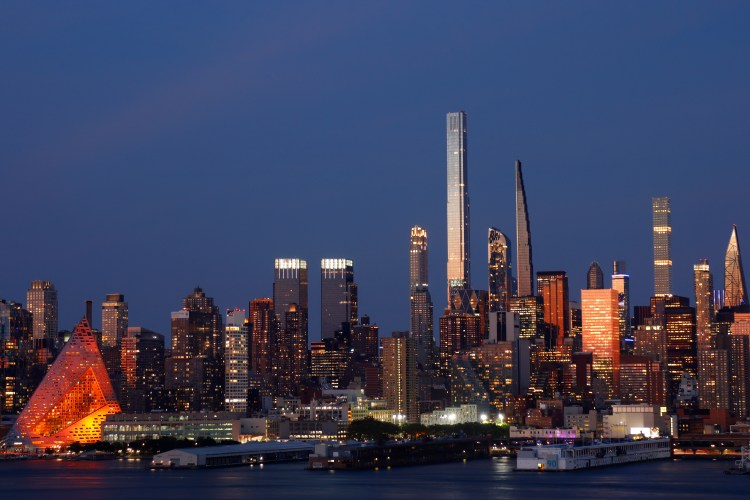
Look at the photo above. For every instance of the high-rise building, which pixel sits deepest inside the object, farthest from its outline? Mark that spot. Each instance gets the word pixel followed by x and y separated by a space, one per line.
pixel 458 331
pixel 263 332
pixel 114 319
pixel 530 310
pixel 289 287
pixel 594 277
pixel 290 304
pixel 499 264
pixel 682 356
pixel 19 374
pixel 365 341
pixel 735 290
pixel 662 224
pixel 338 296
pixel 142 362
pixel 703 282
pixel 459 268
pixel 525 266
pixel 714 389
pixel 399 361
pixel 236 369
pixel 601 335
pixel 740 366
pixel 41 302
pixel 420 301
pixel 621 283
pixel 552 287
pixel 642 380
pixel 195 370
pixel 73 399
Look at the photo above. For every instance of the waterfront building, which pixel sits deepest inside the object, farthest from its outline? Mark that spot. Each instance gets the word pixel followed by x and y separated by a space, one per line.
pixel 459 264
pixel 462 414
pixel 552 287
pixel 420 301
pixel 142 364
pixel 499 264
pixel 195 370
pixel 594 277
pixel 703 284
pixel 601 335
pixel 41 302
pixel 662 227
pixel 338 296
pixel 399 362
pixel 134 426
pixel 525 266
pixel 735 290
pixel 73 399
pixel 458 331
pixel 236 361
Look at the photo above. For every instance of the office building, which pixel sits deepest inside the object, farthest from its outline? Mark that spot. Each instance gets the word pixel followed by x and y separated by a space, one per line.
pixel 552 287
pixel 735 290
pixel 499 265
pixel 662 226
pixel 41 302
pixel 594 277
pixel 263 328
pixel 642 380
pixel 530 310
pixel 236 361
pixel 601 335
pixel 525 268
pixel 399 361
pixel 114 319
pixel 703 283
pixel 420 301
pixel 459 267
pixel 458 331
pixel 621 283
pixel 142 364
pixel 338 296
pixel 714 382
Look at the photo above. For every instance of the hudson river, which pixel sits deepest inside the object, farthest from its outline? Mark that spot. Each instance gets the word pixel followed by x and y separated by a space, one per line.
pixel 478 480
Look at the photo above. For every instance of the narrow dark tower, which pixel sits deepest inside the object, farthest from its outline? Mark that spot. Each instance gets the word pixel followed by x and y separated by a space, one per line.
pixel 89 309
pixel 523 239
pixel 735 290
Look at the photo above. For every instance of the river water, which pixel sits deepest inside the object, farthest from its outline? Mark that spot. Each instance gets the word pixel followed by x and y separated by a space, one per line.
pixel 477 480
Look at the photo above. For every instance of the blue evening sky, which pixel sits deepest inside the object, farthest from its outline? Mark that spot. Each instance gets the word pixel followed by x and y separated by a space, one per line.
pixel 147 147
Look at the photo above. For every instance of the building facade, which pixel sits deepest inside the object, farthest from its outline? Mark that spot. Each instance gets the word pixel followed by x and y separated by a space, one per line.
pixel 338 296
pixel 421 317
pixel 735 290
pixel 662 227
pixel 601 335
pixel 459 264
pixel 399 361
pixel 525 267
pixel 499 265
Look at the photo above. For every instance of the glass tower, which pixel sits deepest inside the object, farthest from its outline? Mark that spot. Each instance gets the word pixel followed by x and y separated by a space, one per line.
pixel 552 286
pixel 594 277
pixel 499 270
pixel 523 239
pixel 420 301
pixel 458 203
pixel 662 220
pixel 338 296
pixel 703 282
pixel 601 334
pixel 735 291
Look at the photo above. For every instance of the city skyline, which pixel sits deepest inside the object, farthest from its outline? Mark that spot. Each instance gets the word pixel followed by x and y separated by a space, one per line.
pixel 72 144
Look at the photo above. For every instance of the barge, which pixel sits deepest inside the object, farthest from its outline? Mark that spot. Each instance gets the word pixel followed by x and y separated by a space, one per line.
pixel 564 457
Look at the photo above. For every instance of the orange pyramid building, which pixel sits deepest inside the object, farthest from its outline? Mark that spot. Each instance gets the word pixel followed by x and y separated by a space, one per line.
pixel 72 401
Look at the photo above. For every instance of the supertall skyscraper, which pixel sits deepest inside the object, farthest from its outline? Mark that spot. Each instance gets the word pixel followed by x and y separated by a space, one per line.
pixel 662 223
pixel 703 282
pixel 499 270
pixel 525 266
pixel 735 290
pixel 420 301
pixel 41 302
pixel 338 296
pixel 459 269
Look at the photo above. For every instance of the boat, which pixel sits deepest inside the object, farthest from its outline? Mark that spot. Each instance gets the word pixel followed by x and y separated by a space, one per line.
pixel 566 457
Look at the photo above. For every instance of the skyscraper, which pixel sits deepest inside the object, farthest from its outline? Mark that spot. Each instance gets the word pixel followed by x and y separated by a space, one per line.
pixel 594 277
pixel 289 287
pixel 114 319
pixel 499 267
pixel 458 331
pixel 682 356
pixel 263 331
pixel 290 303
pixel 703 282
pixel 735 290
pixel 399 360
pixel 552 286
pixel 41 302
pixel 142 362
pixel 621 283
pixel 662 223
pixel 459 268
pixel 525 266
pixel 236 369
pixel 420 300
pixel 338 296
pixel 601 334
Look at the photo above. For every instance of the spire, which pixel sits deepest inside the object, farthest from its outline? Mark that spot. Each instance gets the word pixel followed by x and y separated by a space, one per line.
pixel 735 290
pixel 523 239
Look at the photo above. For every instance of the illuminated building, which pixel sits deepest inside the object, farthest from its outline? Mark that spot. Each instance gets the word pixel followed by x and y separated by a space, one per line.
pixel 129 427
pixel 601 335
pixel 195 371
pixel 740 366
pixel 650 340
pixel 662 225
pixel 420 301
pixel 73 399
pixel 263 326
pixel 293 346
pixel 114 327
pixel 703 282
pixel 399 362
pixel 679 328
pixel 500 270
pixel 530 310
pixel 41 302
pixel 621 283
pixel 290 304
pixel 552 287
pixel 328 364
pixel 365 341
pixel 458 331
pixel 594 277
pixel 19 375
pixel 642 380
pixel 236 360
pixel 338 296
pixel 142 363
pixel 735 290
pixel 714 389
pixel 551 372
pixel 525 266
pixel 459 264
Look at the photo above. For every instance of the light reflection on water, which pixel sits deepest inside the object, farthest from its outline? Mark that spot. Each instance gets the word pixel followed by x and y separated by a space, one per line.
pixel 475 480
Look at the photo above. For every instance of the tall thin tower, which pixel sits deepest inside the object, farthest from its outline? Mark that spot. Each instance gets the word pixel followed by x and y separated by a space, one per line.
pixel 735 291
pixel 420 301
pixel 662 219
pixel 523 239
pixel 499 270
pixel 458 203
pixel 703 282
